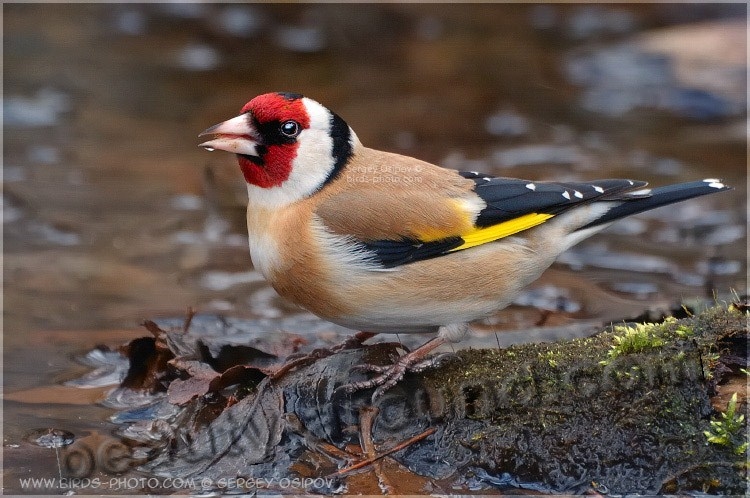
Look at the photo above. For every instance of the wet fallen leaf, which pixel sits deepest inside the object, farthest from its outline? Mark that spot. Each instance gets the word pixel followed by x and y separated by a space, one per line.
pixel 232 355
pixel 238 374
pixel 244 434
pixel 148 364
pixel 198 379
pixel 195 379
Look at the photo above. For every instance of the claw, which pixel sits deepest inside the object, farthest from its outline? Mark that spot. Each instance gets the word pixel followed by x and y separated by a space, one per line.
pixel 389 376
pixel 367 367
pixel 432 363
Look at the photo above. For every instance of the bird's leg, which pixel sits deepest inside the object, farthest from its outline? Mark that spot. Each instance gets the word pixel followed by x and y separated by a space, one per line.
pixel 413 361
pixel 389 375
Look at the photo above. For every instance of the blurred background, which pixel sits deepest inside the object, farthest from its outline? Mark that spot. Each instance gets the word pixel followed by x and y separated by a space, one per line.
pixel 112 214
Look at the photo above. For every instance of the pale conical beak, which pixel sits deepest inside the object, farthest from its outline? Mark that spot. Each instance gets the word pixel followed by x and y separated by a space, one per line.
pixel 234 135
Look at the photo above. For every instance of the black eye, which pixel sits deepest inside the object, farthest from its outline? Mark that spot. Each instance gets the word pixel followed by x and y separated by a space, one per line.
pixel 290 128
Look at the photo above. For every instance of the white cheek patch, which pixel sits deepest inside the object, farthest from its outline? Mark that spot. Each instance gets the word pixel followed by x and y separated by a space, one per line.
pixel 314 161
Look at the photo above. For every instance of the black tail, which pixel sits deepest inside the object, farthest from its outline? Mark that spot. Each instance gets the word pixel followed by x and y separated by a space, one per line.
pixel 660 196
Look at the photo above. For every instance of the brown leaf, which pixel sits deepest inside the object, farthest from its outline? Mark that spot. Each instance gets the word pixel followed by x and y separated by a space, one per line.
pixel 197 381
pixel 232 355
pixel 148 364
pixel 238 374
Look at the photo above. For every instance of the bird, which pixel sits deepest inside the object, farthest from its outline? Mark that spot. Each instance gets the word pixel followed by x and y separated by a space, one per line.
pixel 385 243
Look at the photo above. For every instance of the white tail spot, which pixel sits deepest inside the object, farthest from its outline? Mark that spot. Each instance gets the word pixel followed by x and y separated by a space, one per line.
pixel 566 194
pixel 578 194
pixel 598 188
pixel 531 186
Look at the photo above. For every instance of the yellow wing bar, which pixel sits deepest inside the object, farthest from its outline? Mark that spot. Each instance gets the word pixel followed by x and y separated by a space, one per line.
pixel 479 236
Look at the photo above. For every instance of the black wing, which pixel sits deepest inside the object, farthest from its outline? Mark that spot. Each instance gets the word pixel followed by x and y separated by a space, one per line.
pixel 511 198
pixel 508 198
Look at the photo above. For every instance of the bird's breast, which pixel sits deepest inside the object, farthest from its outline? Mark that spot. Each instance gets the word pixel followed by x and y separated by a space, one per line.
pixel 264 248
pixel 264 253
pixel 301 260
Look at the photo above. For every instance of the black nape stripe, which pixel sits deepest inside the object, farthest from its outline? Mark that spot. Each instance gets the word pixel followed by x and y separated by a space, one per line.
pixel 342 147
pixel 290 95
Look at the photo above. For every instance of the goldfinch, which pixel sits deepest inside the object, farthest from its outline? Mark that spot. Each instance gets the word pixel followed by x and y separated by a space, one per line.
pixel 382 242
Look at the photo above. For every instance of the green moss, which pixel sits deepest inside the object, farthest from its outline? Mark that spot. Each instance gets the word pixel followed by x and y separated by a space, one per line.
pixel 728 430
pixel 634 339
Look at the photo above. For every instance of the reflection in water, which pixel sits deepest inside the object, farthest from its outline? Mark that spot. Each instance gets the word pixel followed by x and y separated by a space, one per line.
pixel 51 438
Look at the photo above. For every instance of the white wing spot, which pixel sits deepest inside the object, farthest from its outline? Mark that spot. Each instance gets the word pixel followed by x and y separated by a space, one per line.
pixel 486 178
pixel 712 180
pixel 631 182
pixel 566 194
pixel 531 186
pixel 716 185
pixel 578 194
pixel 598 188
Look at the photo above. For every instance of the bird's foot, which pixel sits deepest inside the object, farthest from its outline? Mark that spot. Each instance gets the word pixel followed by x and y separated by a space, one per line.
pixel 389 375
pixel 432 362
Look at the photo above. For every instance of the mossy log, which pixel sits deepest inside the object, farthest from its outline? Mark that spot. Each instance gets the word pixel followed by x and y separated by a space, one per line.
pixel 611 412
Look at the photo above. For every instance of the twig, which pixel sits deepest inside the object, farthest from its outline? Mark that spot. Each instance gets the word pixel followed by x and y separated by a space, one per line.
pixel 188 319
pixel 152 327
pixel 398 447
pixel 367 416
pixel 315 444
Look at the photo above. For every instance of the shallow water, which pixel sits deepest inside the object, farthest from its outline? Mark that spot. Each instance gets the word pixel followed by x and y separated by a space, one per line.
pixel 113 215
